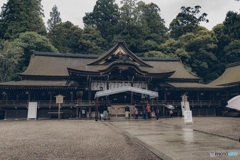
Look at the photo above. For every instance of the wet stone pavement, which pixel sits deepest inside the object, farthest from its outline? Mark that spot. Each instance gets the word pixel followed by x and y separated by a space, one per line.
pixel 179 142
pixel 121 139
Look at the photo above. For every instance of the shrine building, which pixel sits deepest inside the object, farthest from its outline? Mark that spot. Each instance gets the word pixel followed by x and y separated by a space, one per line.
pixel 79 77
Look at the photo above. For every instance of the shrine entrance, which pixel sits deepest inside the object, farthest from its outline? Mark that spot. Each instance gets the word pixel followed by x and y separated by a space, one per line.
pixel 151 94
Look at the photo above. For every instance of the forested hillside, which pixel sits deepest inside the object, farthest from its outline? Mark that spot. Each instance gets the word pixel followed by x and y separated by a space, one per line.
pixel 204 53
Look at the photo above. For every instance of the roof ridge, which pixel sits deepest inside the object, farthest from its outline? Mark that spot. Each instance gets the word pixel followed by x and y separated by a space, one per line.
pixel 69 55
pixel 233 64
pixel 159 59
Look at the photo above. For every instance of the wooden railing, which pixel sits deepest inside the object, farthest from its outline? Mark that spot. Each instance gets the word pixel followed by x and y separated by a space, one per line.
pixel 69 103
pixel 46 103
pixel 178 103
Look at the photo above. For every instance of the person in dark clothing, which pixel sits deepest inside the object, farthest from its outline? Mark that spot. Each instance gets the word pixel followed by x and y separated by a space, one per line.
pixel 105 112
pixel 157 111
pixel 100 109
pixel 127 112
pixel 171 113
pixel 144 113
pixel 136 113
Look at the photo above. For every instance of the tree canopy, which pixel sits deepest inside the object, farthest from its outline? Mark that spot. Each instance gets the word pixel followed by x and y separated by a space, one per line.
pixel 28 42
pixel 204 53
pixel 186 21
pixel 10 56
pixel 21 16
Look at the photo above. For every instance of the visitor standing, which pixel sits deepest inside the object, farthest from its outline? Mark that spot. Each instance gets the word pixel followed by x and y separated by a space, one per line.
pixel 136 113
pixel 171 113
pixel 144 113
pixel 157 111
pixel 148 109
pixel 127 112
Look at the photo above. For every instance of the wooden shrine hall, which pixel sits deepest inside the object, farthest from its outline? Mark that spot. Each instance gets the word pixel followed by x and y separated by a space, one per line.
pixel 78 77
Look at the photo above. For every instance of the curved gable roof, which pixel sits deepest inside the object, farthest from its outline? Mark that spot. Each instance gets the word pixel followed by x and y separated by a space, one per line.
pixel 120 47
pixel 53 64
pixel 230 76
pixel 171 65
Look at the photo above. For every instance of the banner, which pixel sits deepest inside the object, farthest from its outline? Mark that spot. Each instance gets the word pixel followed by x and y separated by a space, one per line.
pixel 101 86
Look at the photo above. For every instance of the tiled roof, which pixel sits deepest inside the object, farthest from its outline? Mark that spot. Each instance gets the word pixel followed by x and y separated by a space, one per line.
pixel 37 83
pixel 57 64
pixel 193 85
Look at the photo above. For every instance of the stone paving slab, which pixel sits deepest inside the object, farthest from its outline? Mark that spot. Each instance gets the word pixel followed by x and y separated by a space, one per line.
pixel 179 142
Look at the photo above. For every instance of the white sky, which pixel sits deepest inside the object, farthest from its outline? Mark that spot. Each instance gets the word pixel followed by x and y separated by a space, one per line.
pixel 74 10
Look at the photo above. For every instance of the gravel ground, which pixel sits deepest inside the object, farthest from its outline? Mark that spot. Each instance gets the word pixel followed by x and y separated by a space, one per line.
pixel 70 139
pixel 222 126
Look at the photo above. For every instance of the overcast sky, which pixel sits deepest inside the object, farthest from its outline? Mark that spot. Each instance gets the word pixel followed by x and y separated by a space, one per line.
pixel 74 10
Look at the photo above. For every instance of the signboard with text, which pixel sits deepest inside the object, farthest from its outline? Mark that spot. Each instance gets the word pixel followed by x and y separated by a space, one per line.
pixel 59 99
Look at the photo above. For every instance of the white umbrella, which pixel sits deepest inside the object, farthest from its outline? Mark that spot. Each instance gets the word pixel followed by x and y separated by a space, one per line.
pixel 234 103
pixel 169 106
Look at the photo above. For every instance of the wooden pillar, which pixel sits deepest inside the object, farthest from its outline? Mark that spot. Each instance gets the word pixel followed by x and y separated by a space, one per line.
pixel 89 92
pixel 165 96
pixel 197 96
pixel 89 112
pixel 157 110
pixel 96 109
pixel 77 112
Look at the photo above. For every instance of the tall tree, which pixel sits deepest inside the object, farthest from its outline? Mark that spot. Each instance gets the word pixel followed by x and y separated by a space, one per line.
pixel 202 48
pixel 223 41
pixel 19 16
pixel 128 27
pixel 91 41
pixel 232 25
pixel 186 21
pixel 104 17
pixel 232 52
pixel 54 18
pixel 65 37
pixel 149 17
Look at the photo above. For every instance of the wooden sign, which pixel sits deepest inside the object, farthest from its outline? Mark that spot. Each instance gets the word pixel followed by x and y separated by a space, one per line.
pixel 59 99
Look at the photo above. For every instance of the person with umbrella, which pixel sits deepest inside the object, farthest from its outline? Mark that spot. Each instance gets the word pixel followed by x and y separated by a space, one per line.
pixel 170 113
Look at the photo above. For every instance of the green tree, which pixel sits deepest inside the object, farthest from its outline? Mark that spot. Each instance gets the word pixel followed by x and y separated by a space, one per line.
pixel 158 54
pixel 65 37
pixel 232 52
pixel 202 50
pixel 223 41
pixel 186 21
pixel 54 18
pixel 127 28
pixel 30 41
pixel 91 41
pixel 232 25
pixel 149 18
pixel 19 16
pixel 197 51
pixel 9 59
pixel 104 17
